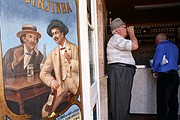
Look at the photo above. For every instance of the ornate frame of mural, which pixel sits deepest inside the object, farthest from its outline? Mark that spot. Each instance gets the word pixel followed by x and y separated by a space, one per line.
pixel 40 13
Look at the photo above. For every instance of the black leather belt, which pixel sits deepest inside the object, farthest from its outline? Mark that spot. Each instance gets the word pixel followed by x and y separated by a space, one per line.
pixel 124 65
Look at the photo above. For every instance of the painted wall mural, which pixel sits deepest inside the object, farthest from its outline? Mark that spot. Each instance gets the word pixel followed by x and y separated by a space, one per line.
pixel 40 67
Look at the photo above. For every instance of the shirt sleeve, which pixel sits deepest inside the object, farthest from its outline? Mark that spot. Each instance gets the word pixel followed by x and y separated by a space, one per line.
pixel 158 58
pixel 122 43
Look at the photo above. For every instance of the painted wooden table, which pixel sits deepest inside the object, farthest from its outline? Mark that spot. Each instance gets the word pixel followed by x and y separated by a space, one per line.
pixel 24 88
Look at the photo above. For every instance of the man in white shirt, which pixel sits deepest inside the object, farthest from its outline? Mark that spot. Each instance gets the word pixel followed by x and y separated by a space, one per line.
pixel 121 69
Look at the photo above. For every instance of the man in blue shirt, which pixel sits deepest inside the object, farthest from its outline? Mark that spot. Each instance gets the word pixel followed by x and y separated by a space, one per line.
pixel 164 68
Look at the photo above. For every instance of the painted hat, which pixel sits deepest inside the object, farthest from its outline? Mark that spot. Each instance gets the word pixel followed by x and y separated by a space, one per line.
pixel 56 23
pixel 28 28
pixel 116 23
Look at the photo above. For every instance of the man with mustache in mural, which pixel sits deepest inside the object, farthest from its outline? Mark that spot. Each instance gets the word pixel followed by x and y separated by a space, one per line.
pixel 63 61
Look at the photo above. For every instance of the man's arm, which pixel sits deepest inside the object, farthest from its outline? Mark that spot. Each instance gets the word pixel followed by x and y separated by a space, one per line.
pixel 133 38
pixel 12 62
pixel 46 70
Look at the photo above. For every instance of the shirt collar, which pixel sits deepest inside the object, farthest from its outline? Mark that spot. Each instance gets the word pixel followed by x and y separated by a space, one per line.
pixel 165 41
